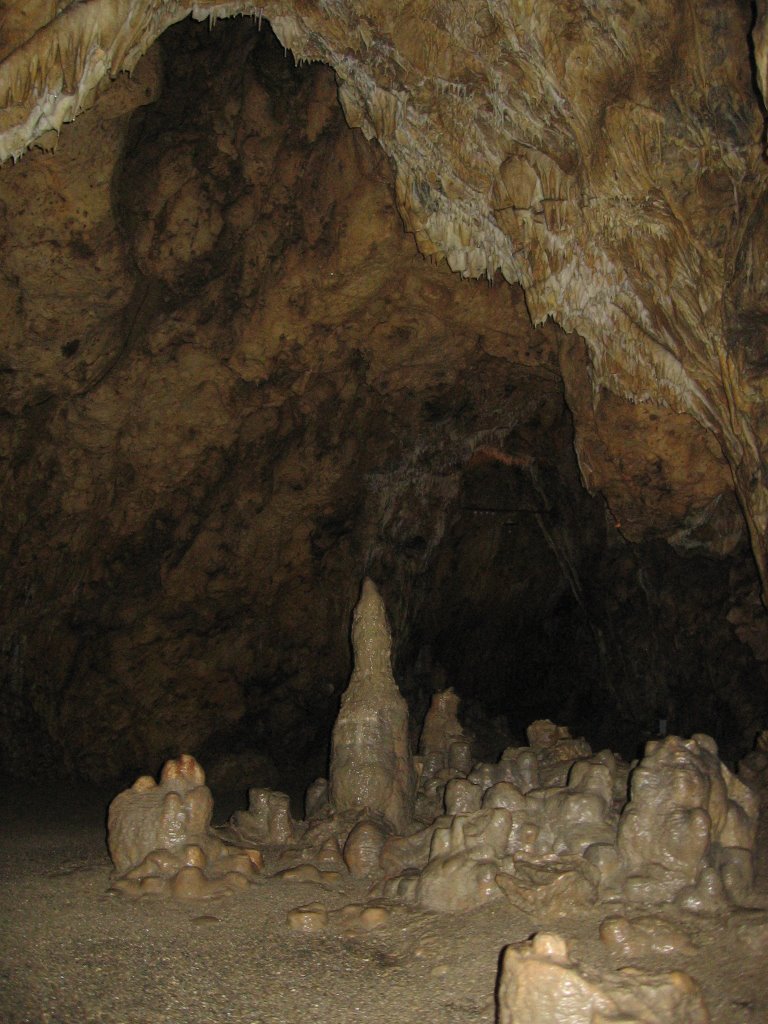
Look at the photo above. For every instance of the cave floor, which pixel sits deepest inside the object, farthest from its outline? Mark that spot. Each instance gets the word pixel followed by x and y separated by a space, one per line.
pixel 69 952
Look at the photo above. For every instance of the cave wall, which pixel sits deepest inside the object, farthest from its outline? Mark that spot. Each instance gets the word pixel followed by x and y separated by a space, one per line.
pixel 609 159
pixel 221 402
pixel 234 387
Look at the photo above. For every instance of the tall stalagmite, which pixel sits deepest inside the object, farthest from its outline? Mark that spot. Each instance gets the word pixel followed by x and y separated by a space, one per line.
pixel 371 763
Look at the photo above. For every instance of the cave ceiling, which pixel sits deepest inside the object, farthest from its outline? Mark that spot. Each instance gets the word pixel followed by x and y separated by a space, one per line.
pixel 233 384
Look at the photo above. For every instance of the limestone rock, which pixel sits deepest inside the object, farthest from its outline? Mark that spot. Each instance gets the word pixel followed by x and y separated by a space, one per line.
pixel 464 859
pixel 441 730
pixel 549 889
pixel 555 749
pixel 362 850
pixel 371 766
pixel 313 917
pixel 687 814
pixel 316 798
pixel 268 819
pixel 644 936
pixel 210 250
pixel 160 840
pixel 165 816
pixel 462 797
pixel 541 984
pixel 400 853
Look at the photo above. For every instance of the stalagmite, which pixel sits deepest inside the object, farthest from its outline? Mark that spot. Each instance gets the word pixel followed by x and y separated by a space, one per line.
pixel 542 984
pixel 441 731
pixel 690 825
pixel 161 842
pixel 371 766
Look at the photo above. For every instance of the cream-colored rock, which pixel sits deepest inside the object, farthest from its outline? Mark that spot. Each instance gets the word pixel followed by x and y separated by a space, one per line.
pixel 687 814
pixel 356 917
pixel 644 936
pixel 268 819
pixel 462 797
pixel 309 873
pixel 464 859
pixel 556 750
pixel 550 889
pixel 400 853
pixel 168 816
pixel 161 843
pixel 541 984
pixel 371 766
pixel 441 726
pixel 520 766
pixel 313 917
pixel 316 798
pixel 362 850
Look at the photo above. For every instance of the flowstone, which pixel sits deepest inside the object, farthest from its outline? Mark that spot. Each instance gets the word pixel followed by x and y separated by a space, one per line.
pixel 541 984
pixel 161 843
pixel 443 742
pixel 689 828
pixel 371 765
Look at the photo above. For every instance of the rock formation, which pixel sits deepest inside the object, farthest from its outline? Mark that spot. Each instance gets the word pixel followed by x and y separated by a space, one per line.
pixel 687 816
pixel 548 827
pixel 542 150
pixel 371 768
pixel 267 820
pixel 541 984
pixel 243 387
pixel 160 839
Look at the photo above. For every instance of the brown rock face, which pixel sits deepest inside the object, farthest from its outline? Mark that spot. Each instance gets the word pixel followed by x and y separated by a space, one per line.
pixel 233 387
pixel 553 147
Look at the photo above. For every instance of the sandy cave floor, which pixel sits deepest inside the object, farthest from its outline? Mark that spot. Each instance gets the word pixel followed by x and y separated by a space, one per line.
pixel 69 952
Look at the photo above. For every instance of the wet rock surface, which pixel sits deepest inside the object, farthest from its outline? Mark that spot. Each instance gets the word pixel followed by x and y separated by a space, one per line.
pixel 371 766
pixel 74 953
pixel 161 842
pixel 540 984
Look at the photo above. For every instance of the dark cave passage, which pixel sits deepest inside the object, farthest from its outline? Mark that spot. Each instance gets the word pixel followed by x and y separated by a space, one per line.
pixel 273 395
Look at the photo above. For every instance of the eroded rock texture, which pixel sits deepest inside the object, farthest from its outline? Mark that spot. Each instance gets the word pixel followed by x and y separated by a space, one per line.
pixel 233 387
pixel 541 984
pixel 688 817
pixel 371 769
pixel 609 161
pixel 161 842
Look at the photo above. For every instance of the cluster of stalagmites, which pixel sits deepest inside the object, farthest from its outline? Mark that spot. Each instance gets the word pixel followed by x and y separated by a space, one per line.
pixel 551 826
pixel 161 841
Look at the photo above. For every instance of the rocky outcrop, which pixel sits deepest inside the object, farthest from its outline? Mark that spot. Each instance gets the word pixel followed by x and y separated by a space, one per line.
pixel 688 818
pixel 541 983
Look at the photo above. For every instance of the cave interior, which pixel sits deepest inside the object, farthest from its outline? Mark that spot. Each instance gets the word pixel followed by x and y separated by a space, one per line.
pixel 247 390
pixel 238 380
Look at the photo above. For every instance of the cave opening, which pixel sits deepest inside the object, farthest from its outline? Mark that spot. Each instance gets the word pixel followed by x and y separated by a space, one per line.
pixel 270 395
